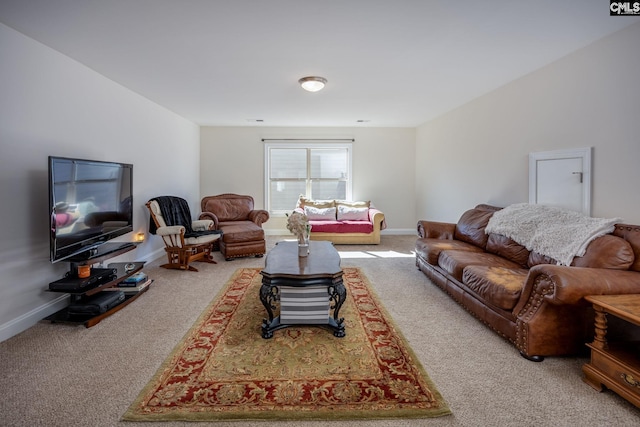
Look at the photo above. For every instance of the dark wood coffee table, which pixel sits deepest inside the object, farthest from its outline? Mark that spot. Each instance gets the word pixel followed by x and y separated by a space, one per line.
pixel 306 287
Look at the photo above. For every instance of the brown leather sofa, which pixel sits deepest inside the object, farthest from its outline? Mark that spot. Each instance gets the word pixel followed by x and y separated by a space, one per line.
pixel 241 224
pixel 525 297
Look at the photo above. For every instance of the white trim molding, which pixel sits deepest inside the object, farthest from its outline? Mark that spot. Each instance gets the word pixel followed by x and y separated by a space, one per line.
pixel 27 320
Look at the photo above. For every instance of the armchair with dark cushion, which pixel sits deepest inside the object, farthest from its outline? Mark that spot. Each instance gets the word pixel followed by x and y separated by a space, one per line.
pixel 241 224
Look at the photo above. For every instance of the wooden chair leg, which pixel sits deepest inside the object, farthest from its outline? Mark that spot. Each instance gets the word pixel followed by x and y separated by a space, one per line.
pixel 208 255
pixel 181 258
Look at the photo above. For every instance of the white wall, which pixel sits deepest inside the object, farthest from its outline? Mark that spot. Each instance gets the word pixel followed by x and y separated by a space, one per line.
pixel 478 153
pixel 52 105
pixel 232 161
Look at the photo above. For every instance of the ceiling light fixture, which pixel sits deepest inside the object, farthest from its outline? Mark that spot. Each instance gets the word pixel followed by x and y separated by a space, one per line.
pixel 312 83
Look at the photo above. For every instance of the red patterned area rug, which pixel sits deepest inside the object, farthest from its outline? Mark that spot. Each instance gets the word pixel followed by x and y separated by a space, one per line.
pixel 224 370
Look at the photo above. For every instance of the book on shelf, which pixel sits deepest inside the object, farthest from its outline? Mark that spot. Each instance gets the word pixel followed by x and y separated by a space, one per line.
pixel 128 290
pixel 135 279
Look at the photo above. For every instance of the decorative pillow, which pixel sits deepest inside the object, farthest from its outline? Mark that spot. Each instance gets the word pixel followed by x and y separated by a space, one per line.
pixel 320 214
pixel 346 213
pixel 351 204
pixel 303 201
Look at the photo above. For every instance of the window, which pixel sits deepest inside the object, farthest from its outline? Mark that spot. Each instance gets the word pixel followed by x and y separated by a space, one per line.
pixel 318 171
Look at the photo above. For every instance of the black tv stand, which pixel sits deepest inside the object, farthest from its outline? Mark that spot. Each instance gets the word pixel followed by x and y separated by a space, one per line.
pixel 117 272
pixel 101 252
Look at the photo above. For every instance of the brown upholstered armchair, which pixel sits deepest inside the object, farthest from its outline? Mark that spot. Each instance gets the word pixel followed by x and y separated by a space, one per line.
pixel 241 224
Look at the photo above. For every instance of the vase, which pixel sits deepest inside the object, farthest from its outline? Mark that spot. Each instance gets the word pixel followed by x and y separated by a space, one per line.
pixel 303 242
pixel 303 246
pixel 303 249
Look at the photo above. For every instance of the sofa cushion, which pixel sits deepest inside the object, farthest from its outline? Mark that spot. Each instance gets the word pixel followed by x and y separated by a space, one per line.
pixel 507 248
pixel 348 213
pixel 241 231
pixel 429 249
pixel 341 226
pixel 630 233
pixel 454 262
pixel 498 286
pixel 606 252
pixel 320 214
pixel 536 258
pixel 471 225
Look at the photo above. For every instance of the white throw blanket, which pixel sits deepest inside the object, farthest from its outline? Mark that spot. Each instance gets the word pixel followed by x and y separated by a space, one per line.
pixel 558 233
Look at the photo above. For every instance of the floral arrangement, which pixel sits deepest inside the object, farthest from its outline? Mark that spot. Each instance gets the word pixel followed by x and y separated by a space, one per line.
pixel 298 224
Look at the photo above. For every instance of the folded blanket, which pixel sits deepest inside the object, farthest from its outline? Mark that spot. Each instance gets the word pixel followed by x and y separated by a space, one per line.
pixel 555 232
pixel 174 210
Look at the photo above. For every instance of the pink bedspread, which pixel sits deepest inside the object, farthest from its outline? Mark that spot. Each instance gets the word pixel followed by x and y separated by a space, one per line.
pixel 341 226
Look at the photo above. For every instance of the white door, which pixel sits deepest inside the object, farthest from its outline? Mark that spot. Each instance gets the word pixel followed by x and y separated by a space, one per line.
pixel 561 178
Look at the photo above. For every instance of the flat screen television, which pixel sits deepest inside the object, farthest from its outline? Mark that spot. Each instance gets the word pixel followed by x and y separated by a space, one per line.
pixel 90 203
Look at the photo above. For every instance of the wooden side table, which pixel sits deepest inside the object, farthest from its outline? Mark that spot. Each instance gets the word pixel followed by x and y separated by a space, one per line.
pixel 614 364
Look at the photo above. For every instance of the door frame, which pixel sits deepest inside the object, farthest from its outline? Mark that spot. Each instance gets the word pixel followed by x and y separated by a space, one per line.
pixel 582 153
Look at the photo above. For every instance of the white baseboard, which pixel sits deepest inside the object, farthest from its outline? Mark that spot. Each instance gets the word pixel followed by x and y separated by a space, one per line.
pixel 153 255
pixel 27 320
pixel 400 232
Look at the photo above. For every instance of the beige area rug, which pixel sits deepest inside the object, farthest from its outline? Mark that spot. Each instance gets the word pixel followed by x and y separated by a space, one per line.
pixel 224 370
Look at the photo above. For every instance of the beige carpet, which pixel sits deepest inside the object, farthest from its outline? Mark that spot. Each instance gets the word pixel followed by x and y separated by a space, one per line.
pixel 224 370
pixel 58 375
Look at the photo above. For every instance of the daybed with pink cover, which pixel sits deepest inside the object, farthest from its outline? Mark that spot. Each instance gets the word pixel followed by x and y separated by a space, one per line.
pixel 342 221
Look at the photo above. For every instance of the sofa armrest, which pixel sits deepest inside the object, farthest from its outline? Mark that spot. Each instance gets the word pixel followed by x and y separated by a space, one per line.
pixel 259 216
pixel 563 285
pixel 377 219
pixel 210 216
pixel 436 230
pixel 552 316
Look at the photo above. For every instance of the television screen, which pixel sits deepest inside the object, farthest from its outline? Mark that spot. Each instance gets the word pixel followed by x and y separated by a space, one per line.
pixel 90 202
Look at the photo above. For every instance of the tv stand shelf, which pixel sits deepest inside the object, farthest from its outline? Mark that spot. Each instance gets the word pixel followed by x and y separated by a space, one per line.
pixel 120 273
pixel 63 316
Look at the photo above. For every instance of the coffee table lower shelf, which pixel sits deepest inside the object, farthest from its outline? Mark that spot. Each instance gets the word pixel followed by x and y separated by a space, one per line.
pixel 268 328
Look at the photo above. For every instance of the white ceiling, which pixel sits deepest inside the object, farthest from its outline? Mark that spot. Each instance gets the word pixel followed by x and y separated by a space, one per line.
pixel 392 63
